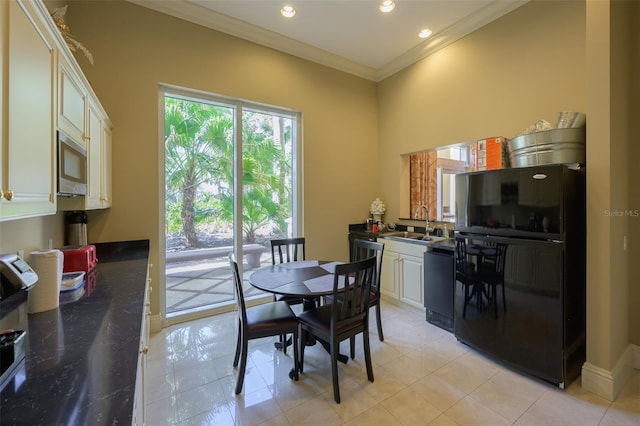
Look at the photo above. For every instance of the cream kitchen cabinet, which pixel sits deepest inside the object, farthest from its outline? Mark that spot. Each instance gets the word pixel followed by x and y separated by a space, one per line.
pixel 82 117
pixel 139 400
pixel 389 277
pixel 402 272
pixel 99 158
pixel 27 158
pixel 73 105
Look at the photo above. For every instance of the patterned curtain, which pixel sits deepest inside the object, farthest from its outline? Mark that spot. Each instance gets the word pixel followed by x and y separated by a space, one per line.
pixel 423 183
pixel 418 182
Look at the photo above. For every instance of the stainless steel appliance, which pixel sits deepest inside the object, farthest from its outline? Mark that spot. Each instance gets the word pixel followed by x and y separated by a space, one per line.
pixel 76 231
pixel 538 215
pixel 72 167
pixel 12 354
pixel 15 275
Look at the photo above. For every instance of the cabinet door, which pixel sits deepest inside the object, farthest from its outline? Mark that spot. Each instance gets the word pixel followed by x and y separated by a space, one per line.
pixel 390 275
pixel 105 197
pixel 94 159
pixel 72 108
pixel 412 281
pixel 28 164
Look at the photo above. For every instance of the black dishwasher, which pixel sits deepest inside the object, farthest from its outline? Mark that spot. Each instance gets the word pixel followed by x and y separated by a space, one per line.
pixel 439 287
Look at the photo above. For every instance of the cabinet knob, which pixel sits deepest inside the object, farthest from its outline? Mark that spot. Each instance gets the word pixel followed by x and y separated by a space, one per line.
pixel 145 350
pixel 8 195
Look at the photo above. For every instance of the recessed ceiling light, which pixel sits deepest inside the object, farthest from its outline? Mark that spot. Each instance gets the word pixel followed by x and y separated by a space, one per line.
pixel 387 6
pixel 288 11
pixel 424 33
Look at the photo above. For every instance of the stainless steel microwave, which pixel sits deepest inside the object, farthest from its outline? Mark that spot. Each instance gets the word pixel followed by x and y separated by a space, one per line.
pixel 72 167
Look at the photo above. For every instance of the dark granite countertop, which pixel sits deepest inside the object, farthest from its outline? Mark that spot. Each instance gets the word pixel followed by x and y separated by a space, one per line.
pixel 81 359
pixel 360 230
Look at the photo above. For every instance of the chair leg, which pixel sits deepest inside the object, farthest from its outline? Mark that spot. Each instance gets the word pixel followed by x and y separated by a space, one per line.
pixel 335 347
pixel 504 300
pixel 243 366
pixel 494 299
pixel 352 347
pixel 238 345
pixel 367 355
pixel 296 341
pixel 303 336
pixel 379 320
pixel 283 340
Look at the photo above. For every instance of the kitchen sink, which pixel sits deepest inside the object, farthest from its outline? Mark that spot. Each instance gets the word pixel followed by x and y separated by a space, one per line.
pixel 412 236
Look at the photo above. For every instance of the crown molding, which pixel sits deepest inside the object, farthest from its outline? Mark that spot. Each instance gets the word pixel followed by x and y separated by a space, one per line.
pixel 197 14
pixel 449 35
pixel 205 17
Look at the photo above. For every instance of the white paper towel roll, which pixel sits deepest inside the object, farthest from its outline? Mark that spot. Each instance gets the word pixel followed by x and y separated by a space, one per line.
pixel 45 294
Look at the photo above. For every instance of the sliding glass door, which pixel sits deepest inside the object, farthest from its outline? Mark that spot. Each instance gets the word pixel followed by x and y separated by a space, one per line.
pixel 222 157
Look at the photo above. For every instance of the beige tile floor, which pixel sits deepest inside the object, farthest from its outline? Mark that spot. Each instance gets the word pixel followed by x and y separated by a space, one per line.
pixel 423 376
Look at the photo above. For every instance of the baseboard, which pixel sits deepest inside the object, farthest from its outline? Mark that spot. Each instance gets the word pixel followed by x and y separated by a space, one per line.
pixel 608 384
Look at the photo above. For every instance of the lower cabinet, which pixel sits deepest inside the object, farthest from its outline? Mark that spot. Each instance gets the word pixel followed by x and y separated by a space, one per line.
pixel 139 417
pixel 402 272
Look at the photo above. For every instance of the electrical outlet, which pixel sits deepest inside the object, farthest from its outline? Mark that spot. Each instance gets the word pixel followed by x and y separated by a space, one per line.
pixel 410 228
pixel 21 254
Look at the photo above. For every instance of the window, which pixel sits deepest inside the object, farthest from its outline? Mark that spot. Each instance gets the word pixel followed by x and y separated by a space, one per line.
pixel 432 181
pixel 231 184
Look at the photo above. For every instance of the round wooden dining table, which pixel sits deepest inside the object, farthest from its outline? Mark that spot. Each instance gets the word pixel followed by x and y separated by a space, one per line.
pixel 308 279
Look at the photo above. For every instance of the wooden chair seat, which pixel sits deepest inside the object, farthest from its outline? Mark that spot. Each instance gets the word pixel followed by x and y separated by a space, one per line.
pixel 264 318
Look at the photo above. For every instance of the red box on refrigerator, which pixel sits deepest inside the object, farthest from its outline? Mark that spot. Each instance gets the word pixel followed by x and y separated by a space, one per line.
pixel 488 153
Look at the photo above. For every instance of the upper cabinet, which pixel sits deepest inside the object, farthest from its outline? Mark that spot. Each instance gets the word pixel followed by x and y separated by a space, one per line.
pixel 72 103
pixel 81 117
pixel 43 90
pixel 99 157
pixel 27 102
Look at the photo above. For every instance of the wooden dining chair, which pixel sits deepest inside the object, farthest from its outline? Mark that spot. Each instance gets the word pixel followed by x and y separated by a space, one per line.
pixel 270 319
pixel 364 249
pixel 285 250
pixel 343 319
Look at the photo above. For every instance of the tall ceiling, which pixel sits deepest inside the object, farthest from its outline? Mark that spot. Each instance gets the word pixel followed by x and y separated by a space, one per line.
pixel 350 35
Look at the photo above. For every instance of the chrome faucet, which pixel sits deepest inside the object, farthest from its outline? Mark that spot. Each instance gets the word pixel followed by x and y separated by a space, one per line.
pixel 426 215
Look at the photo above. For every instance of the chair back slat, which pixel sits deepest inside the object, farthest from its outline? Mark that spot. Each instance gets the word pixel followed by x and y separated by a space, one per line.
pixel 237 287
pixel 357 278
pixel 363 249
pixel 287 250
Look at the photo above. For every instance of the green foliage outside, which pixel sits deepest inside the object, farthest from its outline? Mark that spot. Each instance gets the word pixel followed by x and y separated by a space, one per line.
pixel 199 141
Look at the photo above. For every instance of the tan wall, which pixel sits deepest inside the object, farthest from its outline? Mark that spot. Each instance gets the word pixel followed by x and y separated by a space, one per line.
pixel 31 234
pixel 620 142
pixel 634 175
pixel 135 49
pixel 523 67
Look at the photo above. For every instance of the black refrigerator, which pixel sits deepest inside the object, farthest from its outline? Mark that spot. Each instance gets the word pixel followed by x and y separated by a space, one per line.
pixel 538 215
